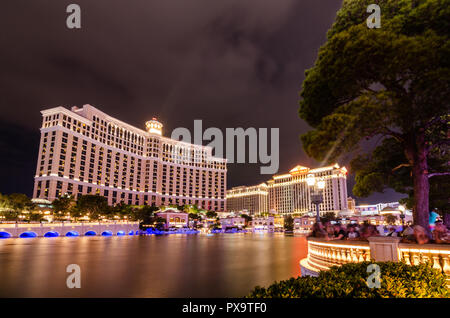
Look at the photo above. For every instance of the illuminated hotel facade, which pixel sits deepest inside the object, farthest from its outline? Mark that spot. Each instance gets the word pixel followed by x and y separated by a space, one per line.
pixel 253 199
pixel 85 151
pixel 290 194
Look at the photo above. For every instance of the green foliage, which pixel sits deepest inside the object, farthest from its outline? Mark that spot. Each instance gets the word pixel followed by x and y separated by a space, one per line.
pixel 211 214
pixel 398 280
pixel 13 205
pixel 62 205
pixel 34 217
pixel 390 219
pixel 191 209
pixel 386 167
pixel 159 222
pixel 374 171
pixel 247 218
pixel 92 205
pixel 392 84
pixel 289 223
pixel 327 217
pixel 194 216
pixel 144 214
pixel 20 202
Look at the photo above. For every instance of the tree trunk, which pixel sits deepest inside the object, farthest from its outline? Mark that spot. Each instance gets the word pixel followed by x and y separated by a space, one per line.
pixel 421 184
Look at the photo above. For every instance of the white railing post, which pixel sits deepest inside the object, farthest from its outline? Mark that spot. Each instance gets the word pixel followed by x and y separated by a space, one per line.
pixel 384 248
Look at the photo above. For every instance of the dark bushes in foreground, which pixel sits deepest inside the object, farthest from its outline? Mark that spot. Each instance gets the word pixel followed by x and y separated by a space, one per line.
pixel 398 280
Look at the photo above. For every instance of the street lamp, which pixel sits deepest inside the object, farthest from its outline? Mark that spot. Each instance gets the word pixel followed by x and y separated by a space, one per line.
pixel 316 197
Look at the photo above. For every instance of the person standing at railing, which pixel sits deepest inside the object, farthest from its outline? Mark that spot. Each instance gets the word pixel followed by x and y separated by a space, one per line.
pixel 318 231
pixel 408 232
pixel 440 234
pixel 339 233
pixel 392 232
pixel 352 233
pixel 420 236
pixel 368 230
pixel 329 228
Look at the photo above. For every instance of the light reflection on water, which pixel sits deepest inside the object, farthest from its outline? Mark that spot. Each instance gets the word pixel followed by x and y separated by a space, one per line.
pixel 223 265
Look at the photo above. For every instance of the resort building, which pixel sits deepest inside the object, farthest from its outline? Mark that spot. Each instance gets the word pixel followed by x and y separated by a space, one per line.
pixel 230 222
pixel 278 222
pixel 367 209
pixel 290 194
pixel 174 218
pixel 251 200
pixel 303 225
pixel 263 224
pixel 351 204
pixel 85 151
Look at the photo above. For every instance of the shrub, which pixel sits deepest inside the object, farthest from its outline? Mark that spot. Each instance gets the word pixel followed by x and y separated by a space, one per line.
pixel 398 280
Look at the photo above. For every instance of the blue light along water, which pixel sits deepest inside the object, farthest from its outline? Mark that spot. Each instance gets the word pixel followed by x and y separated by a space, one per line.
pixel 220 265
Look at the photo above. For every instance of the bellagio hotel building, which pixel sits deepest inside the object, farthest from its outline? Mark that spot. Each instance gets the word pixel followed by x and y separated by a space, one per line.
pixel 85 151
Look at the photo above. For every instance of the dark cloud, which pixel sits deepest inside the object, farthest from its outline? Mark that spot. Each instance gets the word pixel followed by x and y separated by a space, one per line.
pixel 232 63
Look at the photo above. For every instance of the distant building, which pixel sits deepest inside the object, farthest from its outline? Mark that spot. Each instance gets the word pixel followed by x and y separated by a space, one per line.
pixel 278 222
pixel 351 204
pixel 42 204
pixel 232 222
pixel 263 224
pixel 289 193
pixel 303 225
pixel 222 215
pixel 44 207
pixel 390 206
pixel 252 200
pixel 174 218
pixel 367 209
pixel 379 208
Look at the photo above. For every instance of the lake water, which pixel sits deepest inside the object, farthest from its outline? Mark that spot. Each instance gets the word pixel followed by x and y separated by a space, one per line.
pixel 221 265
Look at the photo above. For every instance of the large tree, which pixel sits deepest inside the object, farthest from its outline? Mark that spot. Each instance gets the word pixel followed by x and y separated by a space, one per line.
pixel 390 84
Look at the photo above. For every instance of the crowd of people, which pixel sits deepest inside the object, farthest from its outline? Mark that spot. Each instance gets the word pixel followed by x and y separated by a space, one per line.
pixel 440 234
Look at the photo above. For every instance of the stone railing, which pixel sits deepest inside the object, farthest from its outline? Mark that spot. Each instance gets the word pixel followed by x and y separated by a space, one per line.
pixel 323 254
pixel 436 254
pixel 15 230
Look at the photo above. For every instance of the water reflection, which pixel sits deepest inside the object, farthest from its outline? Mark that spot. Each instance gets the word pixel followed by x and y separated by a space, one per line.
pixel 224 265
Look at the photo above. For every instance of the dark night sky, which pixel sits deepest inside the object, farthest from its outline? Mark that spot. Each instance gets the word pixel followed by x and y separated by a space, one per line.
pixel 231 63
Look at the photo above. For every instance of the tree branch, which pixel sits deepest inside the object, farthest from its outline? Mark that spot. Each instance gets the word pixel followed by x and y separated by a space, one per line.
pixel 438 144
pixel 438 174
pixel 436 120
pixel 394 134
pixel 401 165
